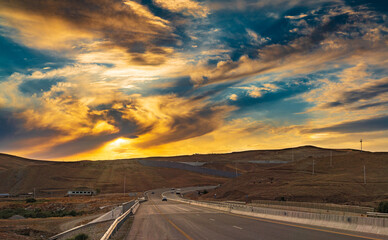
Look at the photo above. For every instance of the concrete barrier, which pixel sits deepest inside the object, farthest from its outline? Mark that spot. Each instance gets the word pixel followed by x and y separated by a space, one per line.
pixel 351 223
pixel 120 220
pixel 323 206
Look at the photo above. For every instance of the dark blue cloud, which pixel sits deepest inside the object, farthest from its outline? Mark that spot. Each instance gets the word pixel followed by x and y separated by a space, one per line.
pixel 17 58
pixel 77 146
pixel 12 131
pixel 357 95
pixel 38 85
pixel 285 90
pixel 278 105
pixel 378 123
pixel 376 5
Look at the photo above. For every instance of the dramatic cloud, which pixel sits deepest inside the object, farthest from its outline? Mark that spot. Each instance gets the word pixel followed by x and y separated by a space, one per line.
pixel 186 6
pixel 368 91
pixel 91 25
pixel 126 78
pixel 379 123
pixel 343 34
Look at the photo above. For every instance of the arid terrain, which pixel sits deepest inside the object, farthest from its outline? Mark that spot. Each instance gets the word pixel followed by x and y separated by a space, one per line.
pixel 84 208
pixel 264 174
pixel 56 178
pixel 306 173
pixel 339 182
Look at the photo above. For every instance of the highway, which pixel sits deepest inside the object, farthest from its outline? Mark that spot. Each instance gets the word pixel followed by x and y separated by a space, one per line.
pixel 157 219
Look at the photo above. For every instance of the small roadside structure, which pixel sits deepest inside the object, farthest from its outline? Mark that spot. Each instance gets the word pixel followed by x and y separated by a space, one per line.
pixel 5 195
pixel 81 192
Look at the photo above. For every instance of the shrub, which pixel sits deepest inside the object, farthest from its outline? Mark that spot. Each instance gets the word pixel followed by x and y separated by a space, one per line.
pixel 30 200
pixel 36 213
pixel 81 236
pixel 383 207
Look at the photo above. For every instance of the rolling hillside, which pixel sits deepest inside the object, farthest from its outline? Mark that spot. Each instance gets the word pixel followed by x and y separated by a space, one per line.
pixel 265 174
pixel 343 182
pixel 20 175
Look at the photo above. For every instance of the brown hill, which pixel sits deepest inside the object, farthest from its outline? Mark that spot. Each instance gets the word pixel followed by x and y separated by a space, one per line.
pixel 20 175
pixel 279 154
pixel 343 182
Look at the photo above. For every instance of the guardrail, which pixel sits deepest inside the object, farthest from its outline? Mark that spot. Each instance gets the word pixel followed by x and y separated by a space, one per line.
pixel 126 209
pixel 377 214
pixel 119 221
pixel 323 206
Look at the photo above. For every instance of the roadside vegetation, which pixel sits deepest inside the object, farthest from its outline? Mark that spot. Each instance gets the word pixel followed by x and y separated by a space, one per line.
pixel 81 236
pixel 36 213
pixel 383 207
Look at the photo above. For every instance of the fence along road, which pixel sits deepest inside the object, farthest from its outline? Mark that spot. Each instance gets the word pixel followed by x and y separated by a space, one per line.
pixel 157 219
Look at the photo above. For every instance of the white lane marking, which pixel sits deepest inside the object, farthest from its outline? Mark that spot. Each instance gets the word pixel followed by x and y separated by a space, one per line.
pixel 237 227
pixel 211 219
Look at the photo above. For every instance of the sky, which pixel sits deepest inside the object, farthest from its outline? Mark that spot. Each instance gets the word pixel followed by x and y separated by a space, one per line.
pixel 110 79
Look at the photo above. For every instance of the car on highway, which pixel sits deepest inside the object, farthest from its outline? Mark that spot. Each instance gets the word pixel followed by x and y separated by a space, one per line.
pixel 152 193
pixel 164 199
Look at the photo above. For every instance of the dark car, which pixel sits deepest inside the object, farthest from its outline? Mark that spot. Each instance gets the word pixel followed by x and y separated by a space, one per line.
pixel 164 199
pixel 152 193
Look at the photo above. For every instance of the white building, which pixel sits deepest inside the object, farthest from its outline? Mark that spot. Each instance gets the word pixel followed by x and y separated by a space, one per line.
pixel 81 192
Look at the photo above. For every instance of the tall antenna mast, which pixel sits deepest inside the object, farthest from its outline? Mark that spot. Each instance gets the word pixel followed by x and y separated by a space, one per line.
pixel 361 143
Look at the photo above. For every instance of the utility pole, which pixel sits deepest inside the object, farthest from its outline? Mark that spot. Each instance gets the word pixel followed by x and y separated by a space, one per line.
pixel 313 166
pixel 364 164
pixel 331 158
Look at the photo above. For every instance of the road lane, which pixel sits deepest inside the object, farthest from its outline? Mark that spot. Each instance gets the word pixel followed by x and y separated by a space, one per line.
pixel 157 219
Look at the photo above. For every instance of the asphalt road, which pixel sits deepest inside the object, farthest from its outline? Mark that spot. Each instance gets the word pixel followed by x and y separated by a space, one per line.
pixel 157 219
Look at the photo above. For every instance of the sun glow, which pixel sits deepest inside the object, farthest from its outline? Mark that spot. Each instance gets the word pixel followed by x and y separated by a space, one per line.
pixel 118 143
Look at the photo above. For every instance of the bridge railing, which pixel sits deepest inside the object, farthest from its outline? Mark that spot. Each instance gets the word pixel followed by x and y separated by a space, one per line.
pixel 120 220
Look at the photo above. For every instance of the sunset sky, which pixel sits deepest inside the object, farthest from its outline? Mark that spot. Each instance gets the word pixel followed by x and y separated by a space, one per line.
pixel 106 79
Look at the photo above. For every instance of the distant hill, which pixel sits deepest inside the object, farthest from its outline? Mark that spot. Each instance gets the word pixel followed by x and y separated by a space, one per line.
pixel 290 175
pixel 341 182
pixel 20 175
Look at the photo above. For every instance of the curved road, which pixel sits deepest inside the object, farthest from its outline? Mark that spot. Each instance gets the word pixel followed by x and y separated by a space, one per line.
pixel 157 219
